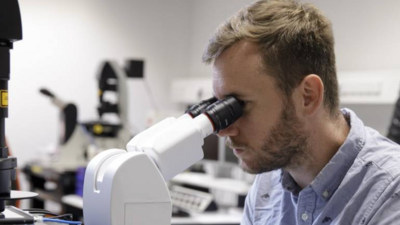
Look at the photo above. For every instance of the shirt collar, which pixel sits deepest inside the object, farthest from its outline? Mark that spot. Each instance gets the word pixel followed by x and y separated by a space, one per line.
pixel 329 179
pixel 289 184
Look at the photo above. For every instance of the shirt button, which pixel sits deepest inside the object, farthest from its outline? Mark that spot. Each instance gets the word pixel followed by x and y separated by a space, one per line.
pixel 304 216
pixel 325 194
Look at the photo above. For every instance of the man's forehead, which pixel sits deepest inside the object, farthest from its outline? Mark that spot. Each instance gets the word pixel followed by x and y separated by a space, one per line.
pixel 238 50
pixel 238 69
pixel 242 57
pixel 224 86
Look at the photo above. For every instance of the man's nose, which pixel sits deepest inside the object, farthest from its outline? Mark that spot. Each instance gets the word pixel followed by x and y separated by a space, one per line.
pixel 229 132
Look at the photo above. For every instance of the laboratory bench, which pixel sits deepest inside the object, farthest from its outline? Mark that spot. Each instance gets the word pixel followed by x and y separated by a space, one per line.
pixel 222 217
pixel 50 184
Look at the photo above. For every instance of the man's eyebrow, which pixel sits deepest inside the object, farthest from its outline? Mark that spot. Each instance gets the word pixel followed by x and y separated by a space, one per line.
pixel 234 94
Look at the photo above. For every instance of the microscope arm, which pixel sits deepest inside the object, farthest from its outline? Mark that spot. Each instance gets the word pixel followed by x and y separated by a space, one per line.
pixel 128 187
pixel 125 188
pixel 176 144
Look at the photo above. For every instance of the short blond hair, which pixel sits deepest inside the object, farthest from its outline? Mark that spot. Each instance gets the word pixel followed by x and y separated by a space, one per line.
pixel 295 40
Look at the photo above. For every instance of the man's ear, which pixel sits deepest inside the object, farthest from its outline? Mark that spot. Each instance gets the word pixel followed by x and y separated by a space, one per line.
pixel 311 91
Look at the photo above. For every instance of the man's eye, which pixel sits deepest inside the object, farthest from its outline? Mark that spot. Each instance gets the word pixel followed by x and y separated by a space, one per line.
pixel 242 103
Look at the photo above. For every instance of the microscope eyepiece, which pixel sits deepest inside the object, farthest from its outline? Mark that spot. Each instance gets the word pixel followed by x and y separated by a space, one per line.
pixel 224 112
pixel 198 109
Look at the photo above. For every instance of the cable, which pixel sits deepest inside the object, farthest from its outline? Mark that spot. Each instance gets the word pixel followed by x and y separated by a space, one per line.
pixel 42 211
pixel 67 216
pixel 149 92
pixel 62 221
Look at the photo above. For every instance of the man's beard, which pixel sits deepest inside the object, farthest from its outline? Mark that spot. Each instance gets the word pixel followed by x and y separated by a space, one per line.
pixel 284 147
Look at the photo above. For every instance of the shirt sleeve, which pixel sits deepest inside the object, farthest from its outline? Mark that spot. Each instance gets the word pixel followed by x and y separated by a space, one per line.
pixel 249 204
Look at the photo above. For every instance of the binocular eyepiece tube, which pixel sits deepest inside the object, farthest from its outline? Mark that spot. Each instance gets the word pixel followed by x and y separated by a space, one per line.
pixel 167 142
pixel 222 113
pixel 198 109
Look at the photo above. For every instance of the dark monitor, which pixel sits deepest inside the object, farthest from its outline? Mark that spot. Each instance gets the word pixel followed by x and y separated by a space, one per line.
pixel 215 149
pixel 210 148
pixel 230 157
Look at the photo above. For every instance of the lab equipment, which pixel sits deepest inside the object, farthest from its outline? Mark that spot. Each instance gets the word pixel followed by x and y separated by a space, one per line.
pixel 10 31
pixel 73 140
pixel 394 129
pixel 216 150
pixel 81 141
pixel 210 146
pixel 128 187
pixel 190 200
pixel 134 68
pixel 111 129
pixel 69 115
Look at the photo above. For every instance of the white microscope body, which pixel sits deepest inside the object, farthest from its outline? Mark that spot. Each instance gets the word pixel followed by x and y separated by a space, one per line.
pixel 128 187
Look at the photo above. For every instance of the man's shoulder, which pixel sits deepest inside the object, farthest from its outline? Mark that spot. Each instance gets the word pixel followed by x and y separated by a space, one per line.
pixel 372 183
pixel 381 152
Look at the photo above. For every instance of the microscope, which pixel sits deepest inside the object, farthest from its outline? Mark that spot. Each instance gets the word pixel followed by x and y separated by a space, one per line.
pixel 10 31
pixel 128 187
pixel 80 141
pixel 112 79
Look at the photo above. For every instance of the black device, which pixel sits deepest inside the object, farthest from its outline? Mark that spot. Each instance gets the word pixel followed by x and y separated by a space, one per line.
pixel 196 110
pixel 224 112
pixel 394 129
pixel 108 82
pixel 134 68
pixel 69 116
pixel 213 152
pixel 10 31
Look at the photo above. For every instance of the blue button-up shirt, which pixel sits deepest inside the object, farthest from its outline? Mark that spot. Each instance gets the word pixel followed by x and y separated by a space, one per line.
pixel 360 185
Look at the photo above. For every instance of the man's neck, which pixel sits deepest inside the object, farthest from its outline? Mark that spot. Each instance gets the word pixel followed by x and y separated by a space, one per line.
pixel 325 140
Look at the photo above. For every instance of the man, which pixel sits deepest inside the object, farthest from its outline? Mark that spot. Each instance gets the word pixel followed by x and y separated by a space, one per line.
pixel 316 164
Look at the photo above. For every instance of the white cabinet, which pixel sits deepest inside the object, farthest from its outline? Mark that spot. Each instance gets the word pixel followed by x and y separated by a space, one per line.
pixel 369 87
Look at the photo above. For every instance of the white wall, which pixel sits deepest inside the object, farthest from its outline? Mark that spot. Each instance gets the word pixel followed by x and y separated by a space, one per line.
pixel 367 39
pixel 207 15
pixel 63 46
pixel 367 32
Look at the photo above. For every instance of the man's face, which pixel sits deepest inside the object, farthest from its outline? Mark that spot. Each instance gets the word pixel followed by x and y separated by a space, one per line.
pixel 269 135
